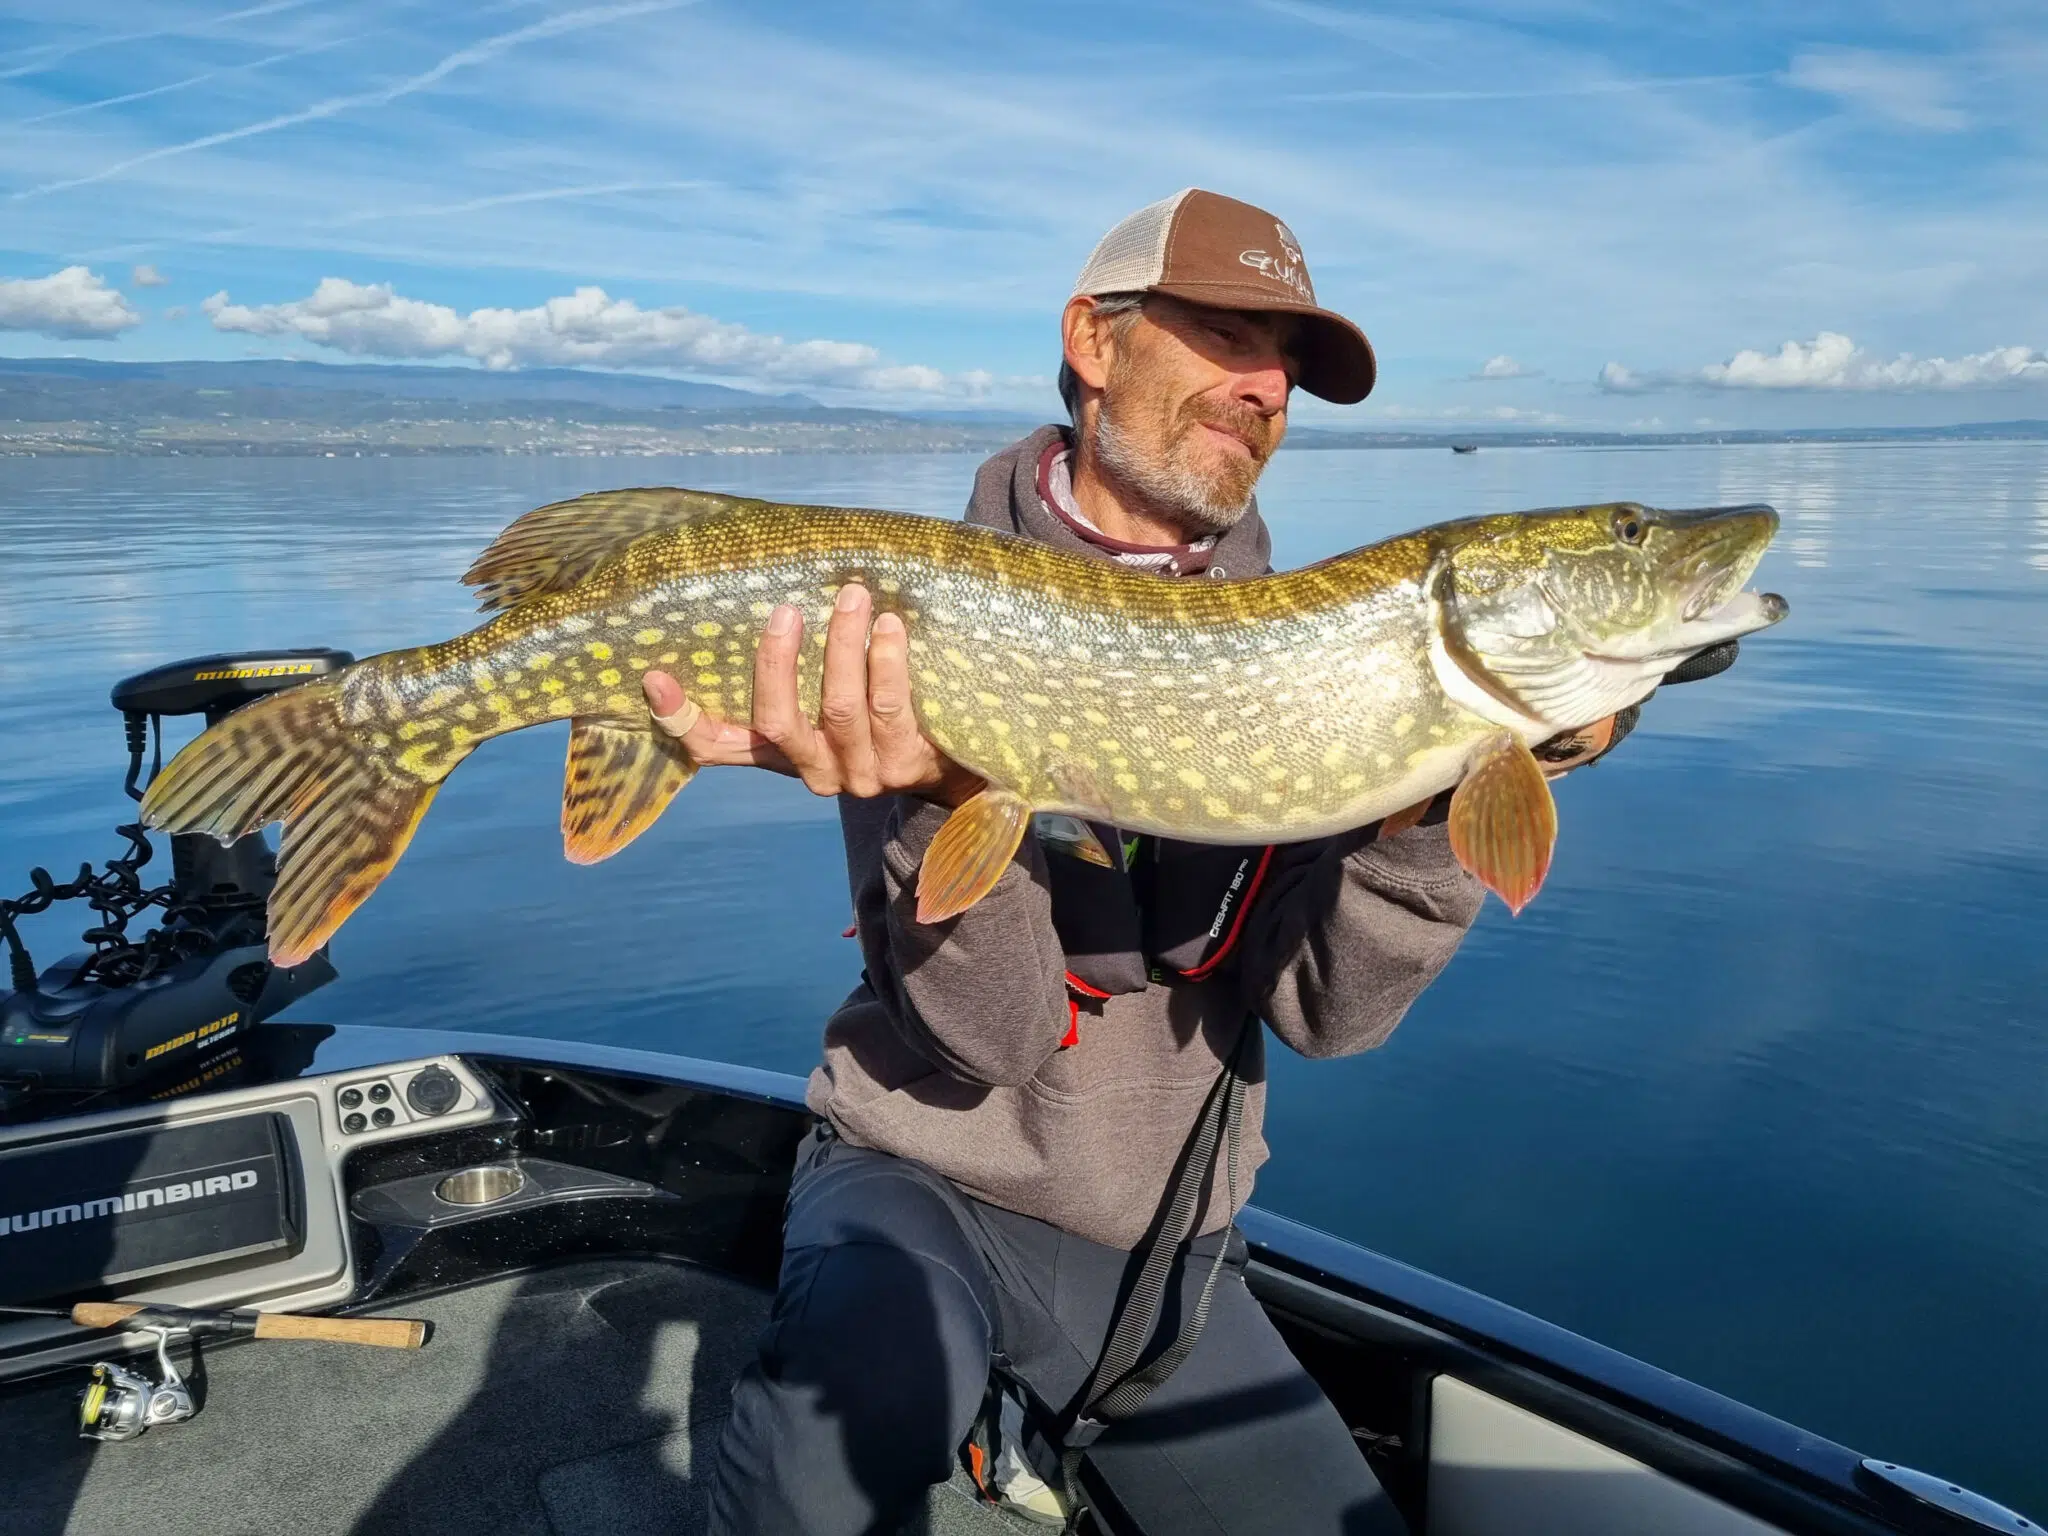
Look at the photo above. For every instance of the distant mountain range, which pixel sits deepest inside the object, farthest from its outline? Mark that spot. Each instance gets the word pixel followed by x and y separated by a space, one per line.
pixel 87 406
pixel 84 406
pixel 627 391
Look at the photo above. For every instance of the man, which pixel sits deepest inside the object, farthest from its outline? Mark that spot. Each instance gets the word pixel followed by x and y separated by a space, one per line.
pixel 1008 1096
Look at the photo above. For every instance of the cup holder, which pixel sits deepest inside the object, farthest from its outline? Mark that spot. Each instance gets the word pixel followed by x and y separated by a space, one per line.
pixel 485 1185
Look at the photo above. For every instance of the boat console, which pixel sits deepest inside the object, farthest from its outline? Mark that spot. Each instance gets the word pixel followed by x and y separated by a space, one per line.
pixel 231 1199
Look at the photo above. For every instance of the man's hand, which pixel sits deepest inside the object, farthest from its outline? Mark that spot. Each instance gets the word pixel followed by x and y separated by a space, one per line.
pixel 1575 749
pixel 865 740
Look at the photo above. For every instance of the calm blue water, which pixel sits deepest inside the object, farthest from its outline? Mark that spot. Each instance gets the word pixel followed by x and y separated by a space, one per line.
pixel 1757 1090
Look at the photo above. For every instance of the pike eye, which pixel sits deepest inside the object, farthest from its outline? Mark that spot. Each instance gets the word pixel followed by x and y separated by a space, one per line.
pixel 1629 528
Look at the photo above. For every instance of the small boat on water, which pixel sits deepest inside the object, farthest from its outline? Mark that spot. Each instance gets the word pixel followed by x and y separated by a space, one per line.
pixel 590 1237
pixel 1464 447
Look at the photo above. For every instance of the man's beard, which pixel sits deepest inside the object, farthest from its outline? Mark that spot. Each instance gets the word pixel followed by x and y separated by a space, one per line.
pixel 1139 452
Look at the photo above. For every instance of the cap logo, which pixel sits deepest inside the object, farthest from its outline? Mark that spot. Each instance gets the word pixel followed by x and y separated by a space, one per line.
pixel 1286 268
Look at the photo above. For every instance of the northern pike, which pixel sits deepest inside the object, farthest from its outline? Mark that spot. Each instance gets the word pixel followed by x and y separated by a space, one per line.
pixel 1284 707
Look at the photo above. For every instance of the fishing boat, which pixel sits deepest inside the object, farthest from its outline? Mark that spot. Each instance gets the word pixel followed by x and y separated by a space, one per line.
pixel 1464 447
pixel 566 1252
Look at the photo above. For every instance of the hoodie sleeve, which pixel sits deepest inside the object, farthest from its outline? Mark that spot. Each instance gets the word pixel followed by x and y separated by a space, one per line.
pixel 1347 932
pixel 983 995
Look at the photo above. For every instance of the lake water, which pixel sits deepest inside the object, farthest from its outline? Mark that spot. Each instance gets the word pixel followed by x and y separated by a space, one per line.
pixel 1757 1090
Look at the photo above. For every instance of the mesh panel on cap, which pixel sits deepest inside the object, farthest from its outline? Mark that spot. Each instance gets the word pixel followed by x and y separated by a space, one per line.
pixel 1131 257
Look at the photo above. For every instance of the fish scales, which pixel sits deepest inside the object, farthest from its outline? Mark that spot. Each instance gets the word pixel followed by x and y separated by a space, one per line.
pixel 1270 709
pixel 1244 712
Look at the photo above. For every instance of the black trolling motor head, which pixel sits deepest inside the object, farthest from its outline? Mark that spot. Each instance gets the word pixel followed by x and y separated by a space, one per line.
pixel 132 1006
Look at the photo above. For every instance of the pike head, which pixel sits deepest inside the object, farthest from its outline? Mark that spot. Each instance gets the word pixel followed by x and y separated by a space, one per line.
pixel 1547 621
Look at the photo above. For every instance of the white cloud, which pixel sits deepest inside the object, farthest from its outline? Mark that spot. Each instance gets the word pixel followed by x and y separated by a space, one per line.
pixel 1501 367
pixel 587 328
pixel 1831 361
pixel 74 305
pixel 147 276
pixel 1906 91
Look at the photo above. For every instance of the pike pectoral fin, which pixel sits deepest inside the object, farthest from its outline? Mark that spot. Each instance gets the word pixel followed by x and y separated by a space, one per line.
pixel 619 778
pixel 1401 821
pixel 1503 821
pixel 970 854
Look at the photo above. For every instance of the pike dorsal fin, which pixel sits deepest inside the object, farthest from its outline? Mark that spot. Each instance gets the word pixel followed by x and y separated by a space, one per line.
pixel 554 547
pixel 620 777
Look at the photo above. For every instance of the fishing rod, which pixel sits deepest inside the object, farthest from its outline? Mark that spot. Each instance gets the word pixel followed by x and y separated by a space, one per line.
pixel 118 1403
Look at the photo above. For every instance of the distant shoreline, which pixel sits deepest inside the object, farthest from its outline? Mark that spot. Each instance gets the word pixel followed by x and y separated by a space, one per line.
pixel 73 408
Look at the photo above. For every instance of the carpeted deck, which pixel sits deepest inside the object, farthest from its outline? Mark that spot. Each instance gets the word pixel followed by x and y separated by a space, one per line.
pixel 579 1401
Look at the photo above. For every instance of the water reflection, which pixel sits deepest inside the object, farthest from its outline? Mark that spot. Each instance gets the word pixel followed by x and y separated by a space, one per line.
pixel 1758 1089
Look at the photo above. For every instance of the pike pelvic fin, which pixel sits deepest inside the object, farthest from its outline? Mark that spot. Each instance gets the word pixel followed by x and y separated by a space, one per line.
pixel 1401 821
pixel 553 548
pixel 347 812
pixel 620 777
pixel 1503 820
pixel 1071 835
pixel 970 853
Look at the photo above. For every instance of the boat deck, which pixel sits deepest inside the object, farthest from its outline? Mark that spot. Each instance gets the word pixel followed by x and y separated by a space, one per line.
pixel 579 1400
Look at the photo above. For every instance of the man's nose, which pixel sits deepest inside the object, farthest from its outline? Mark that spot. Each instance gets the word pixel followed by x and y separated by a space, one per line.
pixel 1265 388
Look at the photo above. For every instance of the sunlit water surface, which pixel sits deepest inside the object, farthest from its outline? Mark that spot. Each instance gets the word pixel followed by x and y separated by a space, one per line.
pixel 1756 1090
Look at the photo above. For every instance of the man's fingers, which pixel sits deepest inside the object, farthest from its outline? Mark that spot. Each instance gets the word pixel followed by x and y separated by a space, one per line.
pixel 898 742
pixel 776 713
pixel 710 741
pixel 673 710
pixel 843 696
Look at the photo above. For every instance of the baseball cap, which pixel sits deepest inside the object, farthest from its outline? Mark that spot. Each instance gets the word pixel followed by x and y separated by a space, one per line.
pixel 1210 249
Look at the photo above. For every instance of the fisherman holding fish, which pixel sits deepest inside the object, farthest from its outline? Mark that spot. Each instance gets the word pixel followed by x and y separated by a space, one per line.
pixel 1117 800
pixel 1010 1096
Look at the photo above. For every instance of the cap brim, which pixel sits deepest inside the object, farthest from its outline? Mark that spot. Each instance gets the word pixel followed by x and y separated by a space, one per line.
pixel 1336 360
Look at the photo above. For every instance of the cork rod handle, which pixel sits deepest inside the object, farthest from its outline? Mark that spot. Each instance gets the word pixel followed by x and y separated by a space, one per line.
pixel 102 1314
pixel 383 1332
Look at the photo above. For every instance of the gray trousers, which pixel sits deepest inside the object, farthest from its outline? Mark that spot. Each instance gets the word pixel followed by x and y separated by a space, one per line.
pixel 899 1294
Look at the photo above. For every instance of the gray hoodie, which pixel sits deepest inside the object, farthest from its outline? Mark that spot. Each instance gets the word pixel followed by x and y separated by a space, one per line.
pixel 951 1051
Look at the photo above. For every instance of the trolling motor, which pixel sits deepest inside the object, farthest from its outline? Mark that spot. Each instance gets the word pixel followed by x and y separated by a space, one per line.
pixel 130 1008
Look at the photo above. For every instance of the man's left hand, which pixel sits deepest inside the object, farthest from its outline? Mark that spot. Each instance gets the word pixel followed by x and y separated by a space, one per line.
pixel 1574 749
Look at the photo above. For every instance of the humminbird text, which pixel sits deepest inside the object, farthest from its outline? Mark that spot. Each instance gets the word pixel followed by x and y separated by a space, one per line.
pixel 107 1206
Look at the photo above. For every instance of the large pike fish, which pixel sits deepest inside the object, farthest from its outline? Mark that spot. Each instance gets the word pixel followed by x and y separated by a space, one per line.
pixel 1286 707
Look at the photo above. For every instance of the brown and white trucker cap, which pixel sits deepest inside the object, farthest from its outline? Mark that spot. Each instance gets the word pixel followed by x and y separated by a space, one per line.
pixel 1210 249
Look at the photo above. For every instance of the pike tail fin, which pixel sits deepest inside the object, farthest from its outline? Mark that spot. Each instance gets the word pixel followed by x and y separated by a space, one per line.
pixel 348 811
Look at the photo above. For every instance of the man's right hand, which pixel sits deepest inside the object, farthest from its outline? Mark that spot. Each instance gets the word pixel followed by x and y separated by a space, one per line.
pixel 865 740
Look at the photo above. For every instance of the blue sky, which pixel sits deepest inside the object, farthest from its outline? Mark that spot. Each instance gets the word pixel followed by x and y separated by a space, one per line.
pixel 1567 211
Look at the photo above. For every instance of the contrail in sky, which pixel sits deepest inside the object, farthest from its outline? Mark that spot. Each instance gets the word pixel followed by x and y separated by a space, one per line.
pixel 1588 88
pixel 52 54
pixel 463 58
pixel 502 199
pixel 179 85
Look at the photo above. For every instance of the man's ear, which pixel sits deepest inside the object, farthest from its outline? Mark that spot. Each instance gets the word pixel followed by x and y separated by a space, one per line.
pixel 1087 341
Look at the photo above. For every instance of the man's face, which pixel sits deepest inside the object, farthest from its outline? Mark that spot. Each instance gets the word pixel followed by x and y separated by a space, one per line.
pixel 1194 405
